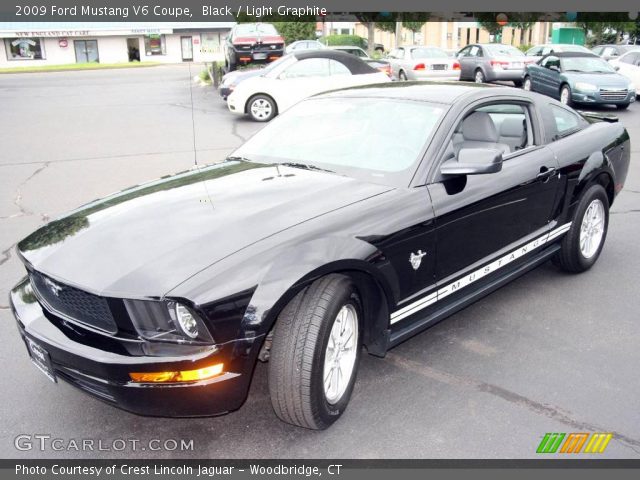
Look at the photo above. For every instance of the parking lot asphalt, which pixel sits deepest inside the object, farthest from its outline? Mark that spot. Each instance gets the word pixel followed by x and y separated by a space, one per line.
pixel 550 352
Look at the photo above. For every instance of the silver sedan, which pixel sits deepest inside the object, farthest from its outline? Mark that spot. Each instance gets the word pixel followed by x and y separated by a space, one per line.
pixel 423 63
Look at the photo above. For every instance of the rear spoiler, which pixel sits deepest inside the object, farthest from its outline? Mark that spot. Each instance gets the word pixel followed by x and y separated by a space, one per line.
pixel 599 117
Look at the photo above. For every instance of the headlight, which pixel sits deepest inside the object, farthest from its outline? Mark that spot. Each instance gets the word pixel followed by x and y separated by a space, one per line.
pixel 586 87
pixel 632 86
pixel 167 322
pixel 184 319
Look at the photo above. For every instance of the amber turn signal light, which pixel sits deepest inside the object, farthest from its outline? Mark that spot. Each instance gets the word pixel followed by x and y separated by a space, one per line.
pixel 179 376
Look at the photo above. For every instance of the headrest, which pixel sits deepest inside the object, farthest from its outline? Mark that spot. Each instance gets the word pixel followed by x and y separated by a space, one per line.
pixel 478 127
pixel 512 127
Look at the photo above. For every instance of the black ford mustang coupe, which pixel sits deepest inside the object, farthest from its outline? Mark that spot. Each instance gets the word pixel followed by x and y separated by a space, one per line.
pixel 358 218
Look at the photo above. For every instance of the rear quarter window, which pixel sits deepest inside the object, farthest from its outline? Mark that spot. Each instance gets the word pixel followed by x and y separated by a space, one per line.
pixel 564 121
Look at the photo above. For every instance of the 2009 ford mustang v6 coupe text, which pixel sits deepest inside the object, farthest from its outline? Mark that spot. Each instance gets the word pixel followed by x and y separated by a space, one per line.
pixel 358 218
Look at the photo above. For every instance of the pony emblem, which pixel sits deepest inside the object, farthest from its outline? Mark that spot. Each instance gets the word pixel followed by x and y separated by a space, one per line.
pixel 416 259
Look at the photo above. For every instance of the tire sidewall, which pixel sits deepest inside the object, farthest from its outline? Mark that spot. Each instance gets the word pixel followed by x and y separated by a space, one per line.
pixel 329 413
pixel 573 239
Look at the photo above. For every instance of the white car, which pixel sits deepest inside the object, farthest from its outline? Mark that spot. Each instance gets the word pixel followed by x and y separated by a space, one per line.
pixel 299 76
pixel 629 66
pixel 423 63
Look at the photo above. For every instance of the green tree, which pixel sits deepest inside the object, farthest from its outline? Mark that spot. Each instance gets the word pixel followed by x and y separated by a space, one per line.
pixel 521 20
pixel 294 31
pixel 605 27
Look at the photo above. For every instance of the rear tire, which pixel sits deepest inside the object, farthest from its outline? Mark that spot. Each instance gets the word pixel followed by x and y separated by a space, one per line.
pixel 582 245
pixel 305 353
pixel 479 77
pixel 517 83
pixel 402 76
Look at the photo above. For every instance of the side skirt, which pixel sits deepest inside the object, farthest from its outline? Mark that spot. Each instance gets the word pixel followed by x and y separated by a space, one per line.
pixel 399 335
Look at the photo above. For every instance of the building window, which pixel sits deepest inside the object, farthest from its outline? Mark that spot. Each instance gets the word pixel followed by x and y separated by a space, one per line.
pixel 210 42
pixel 24 48
pixel 155 45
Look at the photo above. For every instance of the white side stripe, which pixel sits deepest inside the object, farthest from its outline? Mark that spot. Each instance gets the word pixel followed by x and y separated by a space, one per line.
pixel 478 274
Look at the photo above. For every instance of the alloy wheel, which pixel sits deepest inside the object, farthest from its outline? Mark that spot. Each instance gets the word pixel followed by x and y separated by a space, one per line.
pixel 261 109
pixel 340 354
pixel 592 229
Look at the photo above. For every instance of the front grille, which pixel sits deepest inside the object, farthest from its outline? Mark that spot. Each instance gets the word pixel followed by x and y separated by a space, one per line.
pixel 438 66
pixel 73 304
pixel 613 94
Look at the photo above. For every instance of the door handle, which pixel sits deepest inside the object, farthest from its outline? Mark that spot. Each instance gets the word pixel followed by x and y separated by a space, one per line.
pixel 545 173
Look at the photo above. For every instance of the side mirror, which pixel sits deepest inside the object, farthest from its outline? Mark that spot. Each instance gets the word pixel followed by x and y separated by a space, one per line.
pixel 473 161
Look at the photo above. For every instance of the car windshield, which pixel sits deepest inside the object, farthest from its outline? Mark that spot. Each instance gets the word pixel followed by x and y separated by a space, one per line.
pixel 378 141
pixel 256 28
pixel 586 65
pixel 504 51
pixel 429 52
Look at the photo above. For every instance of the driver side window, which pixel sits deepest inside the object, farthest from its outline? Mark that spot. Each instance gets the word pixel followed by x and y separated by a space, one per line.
pixel 502 126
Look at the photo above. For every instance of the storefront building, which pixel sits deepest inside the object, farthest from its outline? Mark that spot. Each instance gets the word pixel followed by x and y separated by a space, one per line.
pixel 23 44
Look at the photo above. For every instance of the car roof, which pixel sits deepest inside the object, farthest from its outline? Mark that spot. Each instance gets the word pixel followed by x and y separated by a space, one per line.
pixel 432 92
pixel 571 54
pixel 355 65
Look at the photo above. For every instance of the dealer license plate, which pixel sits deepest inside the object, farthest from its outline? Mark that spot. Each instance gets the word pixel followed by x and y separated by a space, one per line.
pixel 259 56
pixel 41 359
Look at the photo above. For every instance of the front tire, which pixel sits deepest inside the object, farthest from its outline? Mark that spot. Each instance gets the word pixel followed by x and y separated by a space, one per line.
pixel 526 85
pixel 565 95
pixel 316 342
pixel 583 243
pixel 262 108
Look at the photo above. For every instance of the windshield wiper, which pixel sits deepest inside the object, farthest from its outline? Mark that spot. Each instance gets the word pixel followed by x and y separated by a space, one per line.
pixel 305 166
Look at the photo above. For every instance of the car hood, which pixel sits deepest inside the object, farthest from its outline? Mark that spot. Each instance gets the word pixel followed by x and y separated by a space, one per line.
pixel 144 241
pixel 612 80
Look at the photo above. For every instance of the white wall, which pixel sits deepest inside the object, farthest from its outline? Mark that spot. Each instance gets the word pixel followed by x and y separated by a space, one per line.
pixel 113 49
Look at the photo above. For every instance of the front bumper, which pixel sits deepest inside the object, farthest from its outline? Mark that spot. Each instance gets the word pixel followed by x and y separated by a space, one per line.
pixel 225 92
pixel 235 104
pixel 598 98
pixel 104 373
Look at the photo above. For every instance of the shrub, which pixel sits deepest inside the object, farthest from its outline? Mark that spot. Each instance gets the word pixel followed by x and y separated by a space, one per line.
pixel 352 40
pixel 524 47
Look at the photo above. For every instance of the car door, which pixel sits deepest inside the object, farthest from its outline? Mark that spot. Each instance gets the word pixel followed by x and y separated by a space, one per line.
pixel 468 61
pixel 554 75
pixel 480 218
pixel 545 74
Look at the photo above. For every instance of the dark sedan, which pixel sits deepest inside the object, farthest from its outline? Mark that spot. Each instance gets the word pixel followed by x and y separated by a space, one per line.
pixel 579 79
pixel 359 217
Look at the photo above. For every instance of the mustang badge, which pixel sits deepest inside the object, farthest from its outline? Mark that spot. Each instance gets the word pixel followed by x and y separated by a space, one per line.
pixel 416 259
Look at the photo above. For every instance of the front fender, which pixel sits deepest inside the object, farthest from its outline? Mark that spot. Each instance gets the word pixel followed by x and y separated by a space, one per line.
pixel 296 268
pixel 262 279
